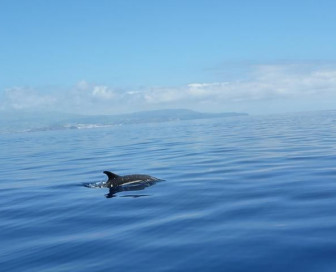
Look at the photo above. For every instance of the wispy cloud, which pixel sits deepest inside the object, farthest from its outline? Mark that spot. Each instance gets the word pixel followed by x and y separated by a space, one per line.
pixel 26 98
pixel 267 84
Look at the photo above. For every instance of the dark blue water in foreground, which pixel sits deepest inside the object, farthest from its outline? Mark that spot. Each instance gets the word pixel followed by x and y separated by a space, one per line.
pixel 240 194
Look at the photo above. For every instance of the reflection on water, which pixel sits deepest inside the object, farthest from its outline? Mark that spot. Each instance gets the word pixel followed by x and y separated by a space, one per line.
pixel 131 187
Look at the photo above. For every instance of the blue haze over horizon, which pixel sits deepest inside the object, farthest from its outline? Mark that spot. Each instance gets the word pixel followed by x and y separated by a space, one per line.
pixel 110 57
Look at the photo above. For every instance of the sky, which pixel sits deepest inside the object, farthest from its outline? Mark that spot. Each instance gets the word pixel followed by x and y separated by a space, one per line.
pixel 118 56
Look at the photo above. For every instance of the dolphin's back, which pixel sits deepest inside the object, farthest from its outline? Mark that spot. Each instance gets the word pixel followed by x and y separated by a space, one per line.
pixel 116 180
pixel 135 178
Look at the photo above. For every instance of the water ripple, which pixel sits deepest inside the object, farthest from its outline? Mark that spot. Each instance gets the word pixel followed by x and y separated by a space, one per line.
pixel 241 194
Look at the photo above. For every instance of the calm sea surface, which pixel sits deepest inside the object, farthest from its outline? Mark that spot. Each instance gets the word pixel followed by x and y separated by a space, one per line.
pixel 240 194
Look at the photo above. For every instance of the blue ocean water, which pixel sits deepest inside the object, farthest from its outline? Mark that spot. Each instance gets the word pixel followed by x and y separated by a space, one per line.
pixel 254 193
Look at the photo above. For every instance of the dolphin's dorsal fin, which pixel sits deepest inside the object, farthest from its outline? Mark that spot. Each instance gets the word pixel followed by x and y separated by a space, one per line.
pixel 110 175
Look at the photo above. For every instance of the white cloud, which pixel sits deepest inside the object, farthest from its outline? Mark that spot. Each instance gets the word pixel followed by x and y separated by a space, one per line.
pixel 276 85
pixel 25 98
pixel 103 92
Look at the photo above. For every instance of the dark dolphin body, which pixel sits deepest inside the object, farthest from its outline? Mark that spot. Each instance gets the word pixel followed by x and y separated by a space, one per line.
pixel 117 183
pixel 114 180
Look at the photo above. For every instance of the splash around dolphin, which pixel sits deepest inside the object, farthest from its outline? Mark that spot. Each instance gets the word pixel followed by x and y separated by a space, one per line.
pixel 115 180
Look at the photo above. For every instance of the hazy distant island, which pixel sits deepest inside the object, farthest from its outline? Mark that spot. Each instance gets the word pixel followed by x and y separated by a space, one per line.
pixel 157 116
pixel 37 121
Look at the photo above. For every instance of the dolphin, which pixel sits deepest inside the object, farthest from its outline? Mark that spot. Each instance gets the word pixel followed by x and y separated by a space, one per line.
pixel 114 180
